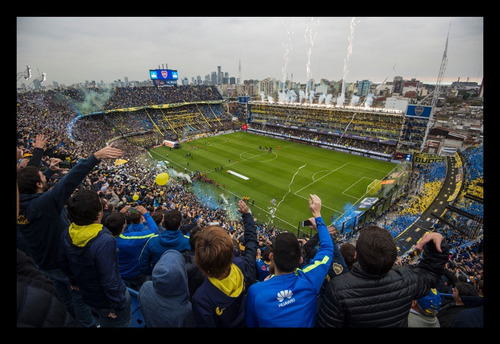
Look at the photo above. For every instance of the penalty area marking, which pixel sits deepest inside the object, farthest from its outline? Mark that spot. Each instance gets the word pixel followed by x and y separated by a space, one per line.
pixel 237 174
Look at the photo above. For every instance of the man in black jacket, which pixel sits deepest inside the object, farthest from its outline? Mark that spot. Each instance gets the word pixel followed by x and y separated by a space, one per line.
pixel 88 257
pixel 375 293
pixel 42 219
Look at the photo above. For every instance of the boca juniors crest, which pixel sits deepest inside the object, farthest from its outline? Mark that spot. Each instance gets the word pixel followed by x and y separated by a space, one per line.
pixel 419 111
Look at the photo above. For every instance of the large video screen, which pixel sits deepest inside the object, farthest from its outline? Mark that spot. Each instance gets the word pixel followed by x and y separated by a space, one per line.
pixel 163 74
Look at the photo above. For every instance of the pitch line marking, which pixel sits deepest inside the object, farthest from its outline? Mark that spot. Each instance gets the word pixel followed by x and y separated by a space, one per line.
pixel 360 179
pixel 314 181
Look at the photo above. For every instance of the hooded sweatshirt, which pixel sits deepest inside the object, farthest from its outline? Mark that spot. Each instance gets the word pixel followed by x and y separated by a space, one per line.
pixel 221 303
pixel 88 257
pixel 158 244
pixel 164 300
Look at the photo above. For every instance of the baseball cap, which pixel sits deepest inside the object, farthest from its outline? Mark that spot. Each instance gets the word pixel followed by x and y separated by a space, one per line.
pixel 431 303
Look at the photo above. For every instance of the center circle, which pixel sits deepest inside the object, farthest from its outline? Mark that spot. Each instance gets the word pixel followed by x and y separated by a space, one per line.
pixel 259 157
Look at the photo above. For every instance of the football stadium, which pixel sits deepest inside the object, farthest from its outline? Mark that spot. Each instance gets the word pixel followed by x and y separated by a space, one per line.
pixel 183 150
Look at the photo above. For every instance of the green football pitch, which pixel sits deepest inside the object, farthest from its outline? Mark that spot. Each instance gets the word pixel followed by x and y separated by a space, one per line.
pixel 278 182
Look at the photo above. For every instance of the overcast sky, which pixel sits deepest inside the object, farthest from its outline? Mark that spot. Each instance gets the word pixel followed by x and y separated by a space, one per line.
pixel 74 49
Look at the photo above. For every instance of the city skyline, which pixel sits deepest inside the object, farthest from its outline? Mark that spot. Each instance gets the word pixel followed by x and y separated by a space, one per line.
pixel 71 50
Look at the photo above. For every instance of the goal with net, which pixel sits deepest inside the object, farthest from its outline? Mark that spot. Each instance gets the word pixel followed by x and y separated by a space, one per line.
pixel 374 187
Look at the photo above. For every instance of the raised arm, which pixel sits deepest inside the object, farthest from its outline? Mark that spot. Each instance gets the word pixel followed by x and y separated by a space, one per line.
pixel 250 243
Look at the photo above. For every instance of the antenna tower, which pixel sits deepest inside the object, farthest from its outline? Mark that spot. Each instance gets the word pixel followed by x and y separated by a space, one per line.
pixel 435 96
pixel 442 69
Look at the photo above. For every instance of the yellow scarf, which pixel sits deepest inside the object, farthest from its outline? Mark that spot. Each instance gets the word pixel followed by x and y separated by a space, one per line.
pixel 232 285
pixel 81 235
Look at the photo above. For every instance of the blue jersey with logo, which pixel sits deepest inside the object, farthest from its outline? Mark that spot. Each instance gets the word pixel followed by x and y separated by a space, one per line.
pixel 289 300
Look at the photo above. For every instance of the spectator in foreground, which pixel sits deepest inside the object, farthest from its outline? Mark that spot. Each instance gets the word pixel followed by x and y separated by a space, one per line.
pixel 473 315
pixel 195 276
pixel 347 250
pixel 88 256
pixel 375 293
pixel 424 310
pixel 170 238
pixel 289 297
pixel 42 219
pixel 452 308
pixel 164 300
pixel 338 264
pixel 130 244
pixel 262 263
pixel 220 300
pixel 37 301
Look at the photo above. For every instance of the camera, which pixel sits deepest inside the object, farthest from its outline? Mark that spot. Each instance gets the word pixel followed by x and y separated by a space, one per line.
pixel 306 223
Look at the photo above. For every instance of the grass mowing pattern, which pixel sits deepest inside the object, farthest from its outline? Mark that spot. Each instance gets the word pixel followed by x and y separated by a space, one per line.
pixel 279 182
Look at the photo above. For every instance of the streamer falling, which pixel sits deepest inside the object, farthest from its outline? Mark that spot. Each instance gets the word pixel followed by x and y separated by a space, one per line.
pixel 286 55
pixel 310 36
pixel 346 127
pixel 341 98
pixel 273 210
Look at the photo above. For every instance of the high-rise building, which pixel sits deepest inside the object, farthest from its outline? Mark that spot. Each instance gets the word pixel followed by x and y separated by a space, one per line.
pixel 398 85
pixel 364 88
pixel 239 72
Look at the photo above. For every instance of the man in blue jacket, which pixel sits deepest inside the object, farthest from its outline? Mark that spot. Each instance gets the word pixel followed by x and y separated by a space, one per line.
pixel 130 244
pixel 171 238
pixel 289 297
pixel 88 256
pixel 42 219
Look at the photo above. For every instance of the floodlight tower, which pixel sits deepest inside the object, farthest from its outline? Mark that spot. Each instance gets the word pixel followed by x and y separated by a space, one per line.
pixel 26 73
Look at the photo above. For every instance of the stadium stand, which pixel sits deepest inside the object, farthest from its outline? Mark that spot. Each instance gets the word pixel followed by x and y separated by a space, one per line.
pixel 137 118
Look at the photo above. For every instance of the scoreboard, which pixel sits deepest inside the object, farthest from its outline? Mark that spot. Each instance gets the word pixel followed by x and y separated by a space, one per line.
pixel 163 76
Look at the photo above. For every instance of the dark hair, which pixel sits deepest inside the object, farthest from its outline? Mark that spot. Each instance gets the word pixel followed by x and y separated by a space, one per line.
pixel 157 216
pixel 84 207
pixel 133 216
pixel 192 236
pixel 465 289
pixel 347 250
pixel 27 178
pixel 267 250
pixel 114 222
pixel 286 252
pixel 376 250
pixel 172 219
pixel 214 251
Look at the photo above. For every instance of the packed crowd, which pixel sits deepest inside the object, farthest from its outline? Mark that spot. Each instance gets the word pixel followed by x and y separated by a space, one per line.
pixel 355 131
pixel 360 123
pixel 340 142
pixel 413 132
pixel 420 191
pixel 125 97
pixel 191 263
